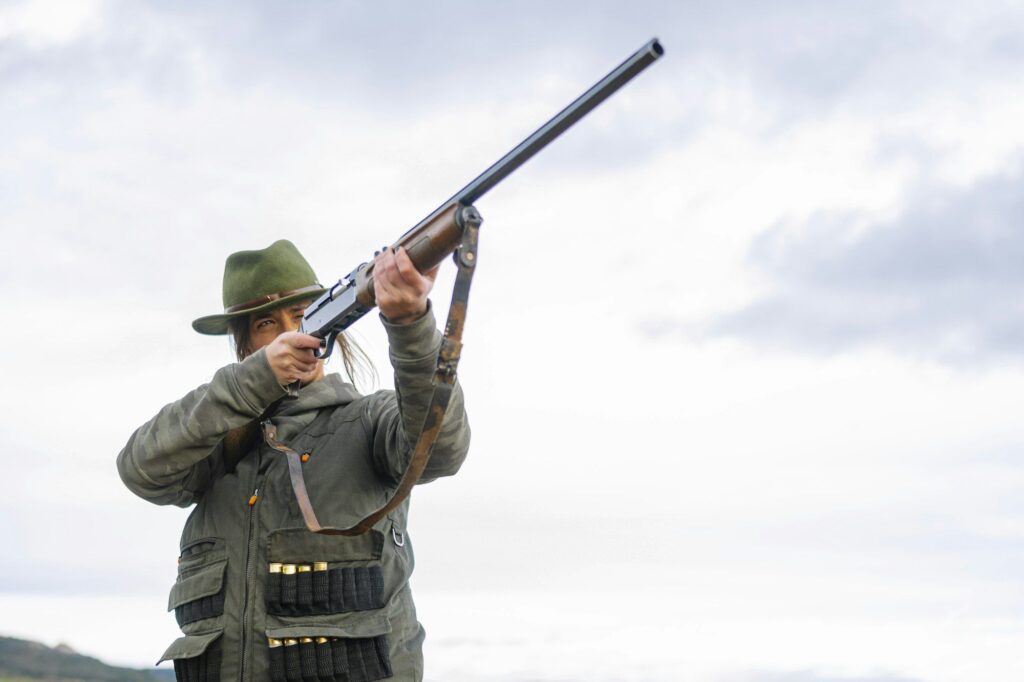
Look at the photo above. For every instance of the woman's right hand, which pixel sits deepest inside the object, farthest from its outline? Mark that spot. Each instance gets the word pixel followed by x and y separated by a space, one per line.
pixel 290 356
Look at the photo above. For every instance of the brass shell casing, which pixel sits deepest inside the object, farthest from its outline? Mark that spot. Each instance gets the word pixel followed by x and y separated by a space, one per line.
pixel 322 640
pixel 319 565
pixel 288 569
pixel 275 568
pixel 305 640
pixel 291 642
pixel 304 568
pixel 274 643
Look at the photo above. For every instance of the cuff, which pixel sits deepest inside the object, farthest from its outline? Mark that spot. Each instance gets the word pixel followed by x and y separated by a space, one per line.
pixel 256 381
pixel 415 340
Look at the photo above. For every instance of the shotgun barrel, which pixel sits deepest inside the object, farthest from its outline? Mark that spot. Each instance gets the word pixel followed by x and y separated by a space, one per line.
pixel 435 237
pixel 561 122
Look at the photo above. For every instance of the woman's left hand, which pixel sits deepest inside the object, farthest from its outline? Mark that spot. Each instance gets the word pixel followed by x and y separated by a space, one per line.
pixel 400 288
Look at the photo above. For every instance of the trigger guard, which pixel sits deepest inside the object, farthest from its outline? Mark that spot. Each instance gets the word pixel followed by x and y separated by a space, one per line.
pixel 326 347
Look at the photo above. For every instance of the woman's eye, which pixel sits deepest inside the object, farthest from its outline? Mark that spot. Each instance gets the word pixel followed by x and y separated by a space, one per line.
pixel 263 323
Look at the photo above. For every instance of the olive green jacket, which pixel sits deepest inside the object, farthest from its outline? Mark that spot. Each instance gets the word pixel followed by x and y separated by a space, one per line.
pixel 246 519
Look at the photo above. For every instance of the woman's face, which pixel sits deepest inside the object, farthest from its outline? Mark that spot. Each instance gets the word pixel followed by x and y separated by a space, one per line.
pixel 266 327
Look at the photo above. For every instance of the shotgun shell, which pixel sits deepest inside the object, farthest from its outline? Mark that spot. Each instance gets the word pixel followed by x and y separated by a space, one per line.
pixel 288 569
pixel 275 568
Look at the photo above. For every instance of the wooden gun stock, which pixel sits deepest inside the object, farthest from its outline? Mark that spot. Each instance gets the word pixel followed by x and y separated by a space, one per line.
pixel 427 244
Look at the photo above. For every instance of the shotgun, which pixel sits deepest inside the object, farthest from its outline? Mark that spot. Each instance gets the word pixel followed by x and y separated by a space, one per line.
pixel 435 237
pixel 451 228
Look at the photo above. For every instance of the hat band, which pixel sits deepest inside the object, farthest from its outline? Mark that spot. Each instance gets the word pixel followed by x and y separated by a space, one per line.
pixel 270 298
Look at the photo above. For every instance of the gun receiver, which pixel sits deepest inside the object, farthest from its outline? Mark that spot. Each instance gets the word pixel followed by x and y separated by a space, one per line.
pixel 439 234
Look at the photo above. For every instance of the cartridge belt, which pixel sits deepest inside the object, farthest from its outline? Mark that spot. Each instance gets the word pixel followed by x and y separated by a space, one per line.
pixel 320 590
pixel 329 659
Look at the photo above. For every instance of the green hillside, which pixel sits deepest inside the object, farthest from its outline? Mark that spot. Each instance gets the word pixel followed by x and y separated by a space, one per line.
pixel 24 661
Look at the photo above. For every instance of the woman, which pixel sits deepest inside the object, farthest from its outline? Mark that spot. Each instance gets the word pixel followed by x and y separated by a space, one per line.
pixel 258 596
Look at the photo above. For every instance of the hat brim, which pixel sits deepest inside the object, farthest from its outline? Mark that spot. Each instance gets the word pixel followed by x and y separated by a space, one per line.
pixel 216 325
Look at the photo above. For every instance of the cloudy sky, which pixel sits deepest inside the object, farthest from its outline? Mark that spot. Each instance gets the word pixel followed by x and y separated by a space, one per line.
pixel 745 345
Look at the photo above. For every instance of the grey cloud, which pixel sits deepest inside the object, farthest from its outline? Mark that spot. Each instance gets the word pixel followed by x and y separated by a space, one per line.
pixel 801 58
pixel 1007 46
pixel 904 544
pixel 807 55
pixel 385 40
pixel 943 281
pixel 345 49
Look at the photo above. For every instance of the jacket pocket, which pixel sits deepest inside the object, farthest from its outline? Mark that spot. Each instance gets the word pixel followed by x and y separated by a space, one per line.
pixel 298 544
pixel 357 652
pixel 197 658
pixel 322 588
pixel 314 575
pixel 198 595
pixel 199 553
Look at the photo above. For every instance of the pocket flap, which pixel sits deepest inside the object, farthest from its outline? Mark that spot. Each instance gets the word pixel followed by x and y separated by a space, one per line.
pixel 299 545
pixel 189 646
pixel 360 627
pixel 204 582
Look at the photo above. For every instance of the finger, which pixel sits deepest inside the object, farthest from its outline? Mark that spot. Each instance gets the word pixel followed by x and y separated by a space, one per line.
pixel 303 369
pixel 302 357
pixel 300 340
pixel 431 274
pixel 407 271
pixel 390 281
pixel 303 365
pixel 296 361
pixel 381 285
pixel 391 272
pixel 380 263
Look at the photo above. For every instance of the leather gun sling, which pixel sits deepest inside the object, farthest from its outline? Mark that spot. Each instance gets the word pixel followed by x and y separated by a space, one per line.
pixel 443 383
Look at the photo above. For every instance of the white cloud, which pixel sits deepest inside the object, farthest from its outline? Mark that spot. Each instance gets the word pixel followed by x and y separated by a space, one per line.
pixel 49 23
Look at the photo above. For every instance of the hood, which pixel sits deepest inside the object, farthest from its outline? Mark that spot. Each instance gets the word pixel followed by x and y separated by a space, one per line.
pixel 298 411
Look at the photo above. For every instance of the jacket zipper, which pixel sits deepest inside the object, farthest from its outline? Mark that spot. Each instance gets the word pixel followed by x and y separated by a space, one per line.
pixel 249 575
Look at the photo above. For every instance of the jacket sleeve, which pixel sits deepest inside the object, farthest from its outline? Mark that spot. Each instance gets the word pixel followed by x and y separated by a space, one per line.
pixel 394 418
pixel 170 458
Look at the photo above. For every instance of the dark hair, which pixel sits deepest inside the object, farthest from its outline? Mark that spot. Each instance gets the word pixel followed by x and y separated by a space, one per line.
pixel 357 363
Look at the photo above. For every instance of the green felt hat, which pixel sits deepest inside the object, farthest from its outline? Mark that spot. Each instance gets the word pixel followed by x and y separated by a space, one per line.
pixel 258 281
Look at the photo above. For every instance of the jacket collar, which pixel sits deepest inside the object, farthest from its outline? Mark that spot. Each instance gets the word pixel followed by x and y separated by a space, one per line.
pixel 331 391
